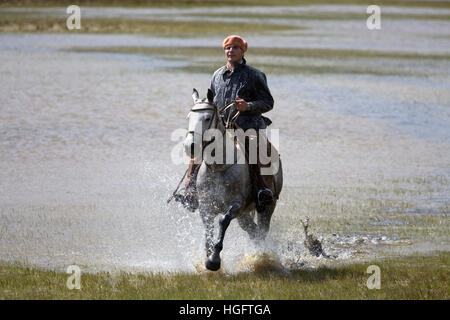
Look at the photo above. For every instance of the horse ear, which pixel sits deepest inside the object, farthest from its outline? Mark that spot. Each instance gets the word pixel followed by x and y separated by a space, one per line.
pixel 210 96
pixel 195 94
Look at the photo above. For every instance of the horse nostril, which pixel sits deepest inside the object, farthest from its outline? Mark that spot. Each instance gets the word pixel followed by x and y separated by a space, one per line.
pixel 192 149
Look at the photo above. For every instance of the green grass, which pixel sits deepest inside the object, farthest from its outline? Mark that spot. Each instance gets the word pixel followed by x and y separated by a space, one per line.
pixel 284 69
pixel 22 23
pixel 411 277
pixel 213 3
pixel 342 15
pixel 278 60
pixel 213 51
pixel 38 22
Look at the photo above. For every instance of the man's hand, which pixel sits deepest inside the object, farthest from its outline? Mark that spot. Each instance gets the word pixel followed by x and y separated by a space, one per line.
pixel 241 104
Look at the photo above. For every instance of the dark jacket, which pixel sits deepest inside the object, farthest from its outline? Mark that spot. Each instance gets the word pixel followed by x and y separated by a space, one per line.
pixel 249 84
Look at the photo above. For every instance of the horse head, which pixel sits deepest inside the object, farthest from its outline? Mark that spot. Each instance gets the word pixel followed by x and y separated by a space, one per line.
pixel 202 116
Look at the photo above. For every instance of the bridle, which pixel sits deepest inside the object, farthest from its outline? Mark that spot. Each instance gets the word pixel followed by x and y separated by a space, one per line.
pixel 218 113
pixel 209 107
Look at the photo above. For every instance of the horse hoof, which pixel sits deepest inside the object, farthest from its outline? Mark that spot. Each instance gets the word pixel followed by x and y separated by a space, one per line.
pixel 213 266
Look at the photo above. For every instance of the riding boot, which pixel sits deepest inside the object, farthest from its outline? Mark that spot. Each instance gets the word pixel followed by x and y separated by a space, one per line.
pixel 263 184
pixel 264 195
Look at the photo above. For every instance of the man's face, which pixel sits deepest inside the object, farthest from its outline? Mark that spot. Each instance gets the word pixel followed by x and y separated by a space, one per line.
pixel 233 53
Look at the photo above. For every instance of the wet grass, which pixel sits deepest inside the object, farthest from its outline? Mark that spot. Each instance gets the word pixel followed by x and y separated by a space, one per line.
pixel 214 3
pixel 281 60
pixel 342 15
pixel 165 28
pixel 411 277
pixel 266 52
pixel 398 229
pixel 278 69
pixel 39 22
pixel 401 208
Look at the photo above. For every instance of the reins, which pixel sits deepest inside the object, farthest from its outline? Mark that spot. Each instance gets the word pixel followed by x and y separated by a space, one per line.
pixel 229 122
pixel 178 186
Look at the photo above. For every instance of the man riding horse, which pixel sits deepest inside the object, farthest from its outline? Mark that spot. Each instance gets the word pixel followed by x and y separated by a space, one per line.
pixel 247 87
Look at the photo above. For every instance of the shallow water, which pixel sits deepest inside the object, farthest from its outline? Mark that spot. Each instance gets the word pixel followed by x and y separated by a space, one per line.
pixel 85 166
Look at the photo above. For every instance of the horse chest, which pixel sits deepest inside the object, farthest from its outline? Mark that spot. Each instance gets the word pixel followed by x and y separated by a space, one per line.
pixel 220 185
pixel 217 189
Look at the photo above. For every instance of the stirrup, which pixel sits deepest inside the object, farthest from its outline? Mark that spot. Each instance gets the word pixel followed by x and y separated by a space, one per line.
pixel 189 200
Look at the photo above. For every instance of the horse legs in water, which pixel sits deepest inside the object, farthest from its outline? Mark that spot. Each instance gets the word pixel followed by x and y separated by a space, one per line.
pixel 247 223
pixel 263 219
pixel 257 231
pixel 208 223
pixel 213 261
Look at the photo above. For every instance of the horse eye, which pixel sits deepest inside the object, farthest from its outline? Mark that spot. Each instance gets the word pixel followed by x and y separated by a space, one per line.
pixel 207 118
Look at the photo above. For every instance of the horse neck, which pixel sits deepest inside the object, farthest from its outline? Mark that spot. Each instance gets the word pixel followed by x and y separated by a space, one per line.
pixel 219 122
pixel 220 126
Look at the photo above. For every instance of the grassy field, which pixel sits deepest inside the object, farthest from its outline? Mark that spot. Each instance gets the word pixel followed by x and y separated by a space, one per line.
pixel 33 22
pixel 165 28
pixel 267 51
pixel 413 277
pixel 197 3
pixel 342 15
pixel 282 60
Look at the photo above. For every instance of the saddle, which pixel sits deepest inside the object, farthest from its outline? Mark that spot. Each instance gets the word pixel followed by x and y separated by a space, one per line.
pixel 262 176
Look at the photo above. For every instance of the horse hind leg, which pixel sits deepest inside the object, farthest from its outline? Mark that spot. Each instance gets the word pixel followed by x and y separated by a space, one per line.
pixel 247 223
pixel 263 219
pixel 213 261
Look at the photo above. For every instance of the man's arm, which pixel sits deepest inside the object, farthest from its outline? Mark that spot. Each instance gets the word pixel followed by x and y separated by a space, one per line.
pixel 264 100
pixel 211 86
pixel 213 79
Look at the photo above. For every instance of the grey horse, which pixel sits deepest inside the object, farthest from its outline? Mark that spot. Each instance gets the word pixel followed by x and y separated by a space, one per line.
pixel 224 190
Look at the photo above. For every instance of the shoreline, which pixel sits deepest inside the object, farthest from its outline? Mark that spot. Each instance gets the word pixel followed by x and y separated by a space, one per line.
pixel 416 276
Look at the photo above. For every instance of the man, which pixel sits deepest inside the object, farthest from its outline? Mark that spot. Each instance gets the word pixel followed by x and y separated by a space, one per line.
pixel 247 87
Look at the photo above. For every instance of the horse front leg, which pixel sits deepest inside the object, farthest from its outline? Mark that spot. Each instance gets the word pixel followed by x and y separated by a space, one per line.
pixel 208 223
pixel 213 261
